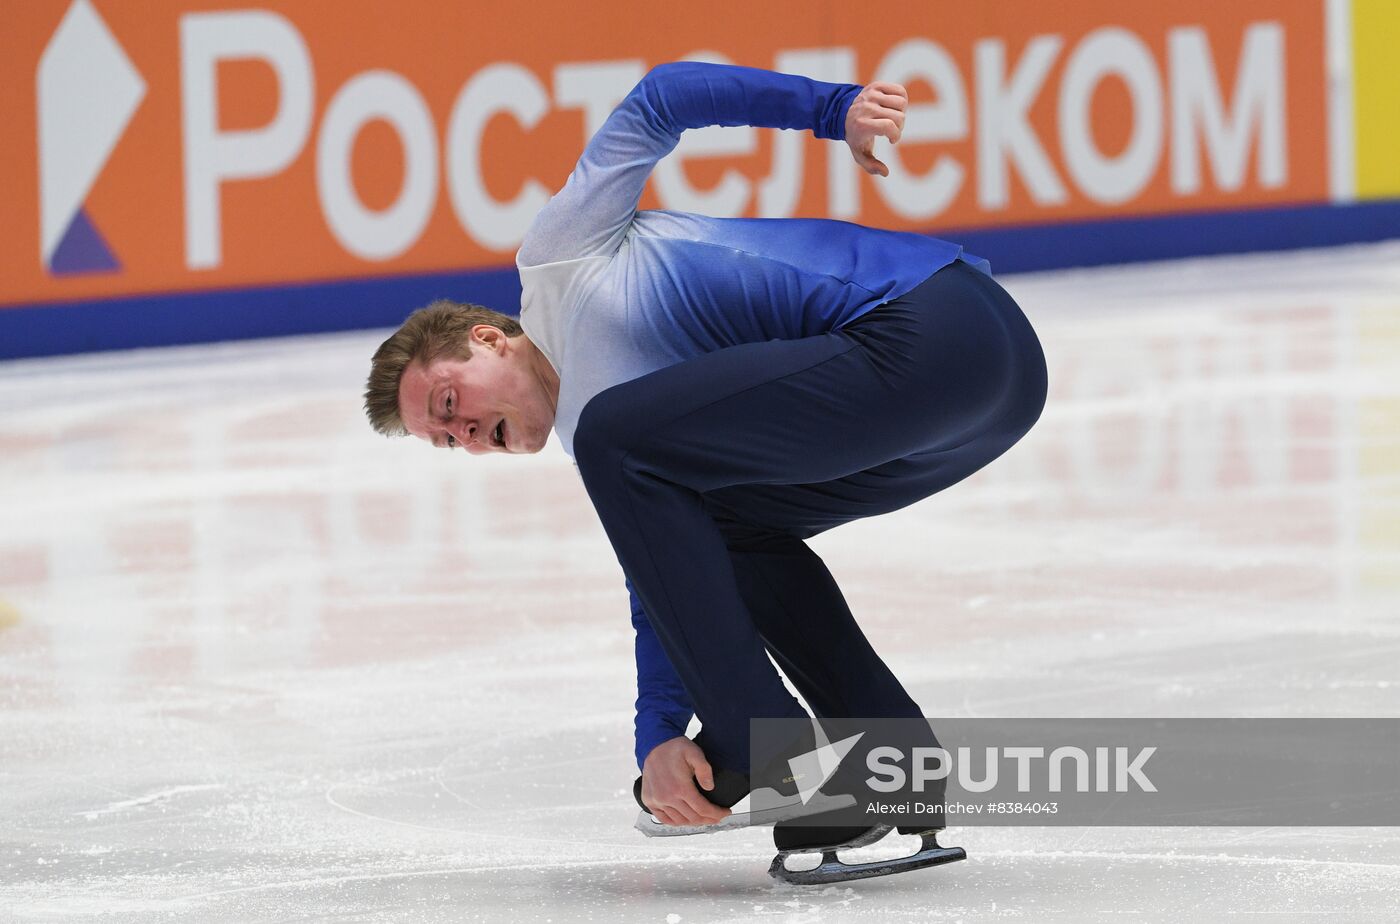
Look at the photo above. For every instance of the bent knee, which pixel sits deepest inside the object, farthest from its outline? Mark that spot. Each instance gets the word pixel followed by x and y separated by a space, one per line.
pixel 1034 391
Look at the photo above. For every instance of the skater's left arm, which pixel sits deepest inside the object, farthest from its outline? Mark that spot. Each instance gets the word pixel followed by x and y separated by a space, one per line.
pixel 590 216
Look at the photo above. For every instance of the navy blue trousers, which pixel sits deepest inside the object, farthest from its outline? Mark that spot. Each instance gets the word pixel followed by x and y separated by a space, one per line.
pixel 709 474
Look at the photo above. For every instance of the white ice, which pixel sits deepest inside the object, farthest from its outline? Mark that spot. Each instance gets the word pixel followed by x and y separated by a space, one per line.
pixel 258 663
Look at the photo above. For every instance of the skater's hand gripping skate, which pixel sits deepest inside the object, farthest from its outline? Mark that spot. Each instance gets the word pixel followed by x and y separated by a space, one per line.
pixel 878 110
pixel 669 776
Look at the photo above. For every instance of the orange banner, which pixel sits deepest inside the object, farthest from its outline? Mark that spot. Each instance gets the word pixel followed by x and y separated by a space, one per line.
pixel 172 146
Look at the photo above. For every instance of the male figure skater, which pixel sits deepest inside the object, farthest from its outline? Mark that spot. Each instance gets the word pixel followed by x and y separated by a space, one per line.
pixel 728 388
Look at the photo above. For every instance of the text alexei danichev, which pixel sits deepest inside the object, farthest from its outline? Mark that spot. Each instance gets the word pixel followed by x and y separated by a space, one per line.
pixel 962 808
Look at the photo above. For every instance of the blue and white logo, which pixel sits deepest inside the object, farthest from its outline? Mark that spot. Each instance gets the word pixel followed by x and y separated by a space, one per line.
pixel 88 90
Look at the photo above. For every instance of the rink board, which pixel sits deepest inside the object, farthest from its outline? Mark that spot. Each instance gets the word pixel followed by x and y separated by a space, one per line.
pixel 193 170
pixel 163 320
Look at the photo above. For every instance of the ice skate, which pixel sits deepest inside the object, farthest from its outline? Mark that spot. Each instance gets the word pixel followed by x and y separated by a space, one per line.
pixel 794 840
pixel 732 791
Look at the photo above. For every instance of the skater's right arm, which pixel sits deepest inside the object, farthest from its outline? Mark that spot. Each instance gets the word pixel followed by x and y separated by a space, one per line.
pixel 671 763
pixel 663 708
pixel 669 777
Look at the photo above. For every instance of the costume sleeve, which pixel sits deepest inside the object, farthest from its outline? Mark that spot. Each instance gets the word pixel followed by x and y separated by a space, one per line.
pixel 591 214
pixel 663 708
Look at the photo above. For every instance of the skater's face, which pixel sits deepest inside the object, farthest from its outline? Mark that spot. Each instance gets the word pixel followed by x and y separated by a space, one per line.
pixel 499 400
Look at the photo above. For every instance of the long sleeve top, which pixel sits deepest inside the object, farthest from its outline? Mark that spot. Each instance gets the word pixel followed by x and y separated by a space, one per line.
pixel 611 293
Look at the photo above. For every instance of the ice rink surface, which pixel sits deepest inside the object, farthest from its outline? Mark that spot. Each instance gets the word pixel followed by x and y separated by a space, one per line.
pixel 259 664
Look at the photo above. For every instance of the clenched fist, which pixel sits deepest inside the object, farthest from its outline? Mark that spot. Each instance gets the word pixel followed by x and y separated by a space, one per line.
pixel 878 110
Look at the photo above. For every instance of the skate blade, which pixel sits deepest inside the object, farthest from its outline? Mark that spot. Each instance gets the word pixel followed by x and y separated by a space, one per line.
pixel 832 870
pixel 787 810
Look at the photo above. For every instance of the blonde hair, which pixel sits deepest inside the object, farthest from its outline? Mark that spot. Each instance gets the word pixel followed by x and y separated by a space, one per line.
pixel 442 329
